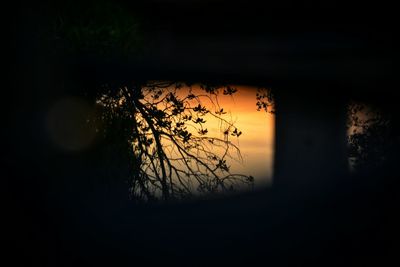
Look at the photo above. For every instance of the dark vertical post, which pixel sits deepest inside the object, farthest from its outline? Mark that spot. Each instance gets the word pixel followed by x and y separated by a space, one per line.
pixel 310 155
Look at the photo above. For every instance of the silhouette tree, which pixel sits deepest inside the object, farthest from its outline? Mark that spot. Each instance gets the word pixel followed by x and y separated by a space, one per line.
pixel 265 100
pixel 372 138
pixel 172 154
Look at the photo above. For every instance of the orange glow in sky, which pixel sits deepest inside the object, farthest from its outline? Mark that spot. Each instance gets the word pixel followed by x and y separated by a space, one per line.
pixel 258 131
pixel 257 141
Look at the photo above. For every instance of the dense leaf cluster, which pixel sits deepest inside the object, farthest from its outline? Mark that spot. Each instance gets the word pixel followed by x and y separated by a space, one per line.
pixel 172 151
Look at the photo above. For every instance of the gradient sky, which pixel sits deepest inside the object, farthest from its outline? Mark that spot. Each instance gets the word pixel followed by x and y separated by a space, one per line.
pixel 257 140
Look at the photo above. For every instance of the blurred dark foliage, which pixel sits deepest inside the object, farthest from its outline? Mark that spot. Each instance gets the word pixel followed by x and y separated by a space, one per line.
pixel 55 218
pixel 373 138
pixel 98 28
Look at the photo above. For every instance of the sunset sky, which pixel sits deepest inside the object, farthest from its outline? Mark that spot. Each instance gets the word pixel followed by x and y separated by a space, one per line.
pixel 256 142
